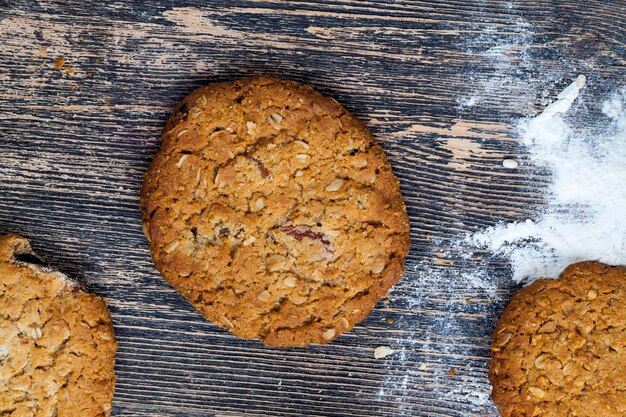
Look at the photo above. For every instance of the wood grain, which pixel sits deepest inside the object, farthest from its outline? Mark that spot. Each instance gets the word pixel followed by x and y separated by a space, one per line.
pixel 440 83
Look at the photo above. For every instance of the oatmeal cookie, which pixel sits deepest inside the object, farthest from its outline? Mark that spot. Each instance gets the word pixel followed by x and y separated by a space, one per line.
pixel 560 346
pixel 57 347
pixel 273 211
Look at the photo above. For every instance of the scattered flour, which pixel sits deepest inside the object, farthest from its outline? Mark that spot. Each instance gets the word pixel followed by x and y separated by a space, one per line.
pixel 503 56
pixel 585 209
pixel 583 218
pixel 427 351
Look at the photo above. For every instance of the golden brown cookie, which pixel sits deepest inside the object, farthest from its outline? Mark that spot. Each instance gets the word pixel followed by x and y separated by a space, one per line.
pixel 273 211
pixel 560 347
pixel 57 347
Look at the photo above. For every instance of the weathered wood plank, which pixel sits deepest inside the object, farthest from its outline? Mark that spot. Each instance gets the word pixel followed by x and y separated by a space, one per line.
pixel 440 83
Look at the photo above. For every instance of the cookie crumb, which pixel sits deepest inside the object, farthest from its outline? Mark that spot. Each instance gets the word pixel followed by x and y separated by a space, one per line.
pixel 452 372
pixel 382 352
pixel 58 63
pixel 251 128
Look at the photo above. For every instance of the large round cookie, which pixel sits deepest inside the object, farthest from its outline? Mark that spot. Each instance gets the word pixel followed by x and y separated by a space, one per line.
pixel 560 346
pixel 272 210
pixel 57 347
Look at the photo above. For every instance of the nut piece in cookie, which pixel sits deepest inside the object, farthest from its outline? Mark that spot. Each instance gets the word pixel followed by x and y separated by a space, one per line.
pixel 273 211
pixel 57 347
pixel 559 349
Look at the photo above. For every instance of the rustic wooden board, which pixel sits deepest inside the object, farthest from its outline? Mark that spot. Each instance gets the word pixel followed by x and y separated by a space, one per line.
pixel 438 82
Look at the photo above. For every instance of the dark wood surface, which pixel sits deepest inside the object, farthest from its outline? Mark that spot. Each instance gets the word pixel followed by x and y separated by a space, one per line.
pixel 440 83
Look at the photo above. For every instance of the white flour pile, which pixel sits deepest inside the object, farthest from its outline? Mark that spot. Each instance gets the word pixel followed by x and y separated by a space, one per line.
pixel 585 213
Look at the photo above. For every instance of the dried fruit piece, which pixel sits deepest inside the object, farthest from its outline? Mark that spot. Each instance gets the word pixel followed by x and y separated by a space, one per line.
pixel 305 232
pixel 262 168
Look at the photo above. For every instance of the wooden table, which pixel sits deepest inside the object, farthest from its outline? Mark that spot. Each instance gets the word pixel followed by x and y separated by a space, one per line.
pixel 440 84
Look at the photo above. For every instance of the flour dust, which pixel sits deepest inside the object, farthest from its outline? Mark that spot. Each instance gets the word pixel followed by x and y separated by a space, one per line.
pixel 583 218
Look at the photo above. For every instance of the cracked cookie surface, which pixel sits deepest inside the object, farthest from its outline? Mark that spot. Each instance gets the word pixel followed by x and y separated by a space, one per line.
pixel 57 347
pixel 560 346
pixel 273 211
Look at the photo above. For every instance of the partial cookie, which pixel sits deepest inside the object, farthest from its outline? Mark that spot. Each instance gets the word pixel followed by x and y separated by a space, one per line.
pixel 273 211
pixel 560 346
pixel 57 347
